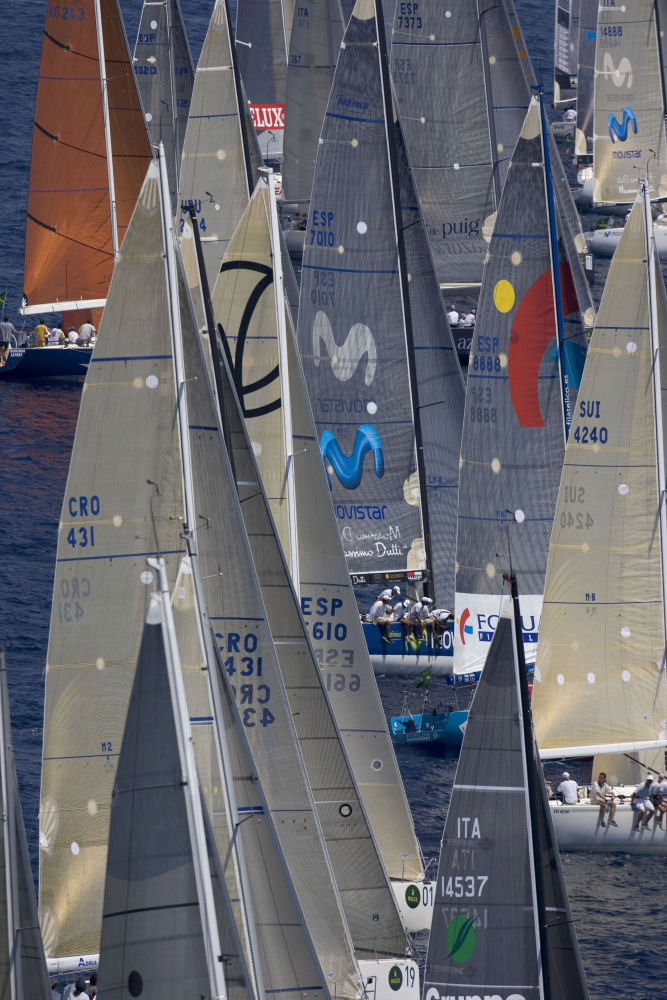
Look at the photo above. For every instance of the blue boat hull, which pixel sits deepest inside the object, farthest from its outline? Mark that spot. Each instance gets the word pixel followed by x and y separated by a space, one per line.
pixel 445 730
pixel 402 657
pixel 46 362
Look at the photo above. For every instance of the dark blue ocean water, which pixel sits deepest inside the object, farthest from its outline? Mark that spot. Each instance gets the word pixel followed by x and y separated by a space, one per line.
pixel 618 901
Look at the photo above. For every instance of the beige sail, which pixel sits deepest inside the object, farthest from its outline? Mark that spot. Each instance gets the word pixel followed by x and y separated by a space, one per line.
pixel 629 123
pixel 108 526
pixel 599 676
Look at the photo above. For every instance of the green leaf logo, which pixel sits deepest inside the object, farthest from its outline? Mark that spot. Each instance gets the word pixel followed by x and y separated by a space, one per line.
pixel 461 939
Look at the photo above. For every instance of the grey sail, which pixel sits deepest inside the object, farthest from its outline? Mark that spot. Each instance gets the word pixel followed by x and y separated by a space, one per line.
pixel 352 329
pixel 106 531
pixel 165 74
pixel 566 43
pixel 22 963
pixel 583 136
pixel 154 924
pixel 462 78
pixel 317 31
pixel 502 919
pixel 514 425
pixel 261 47
pixel 220 156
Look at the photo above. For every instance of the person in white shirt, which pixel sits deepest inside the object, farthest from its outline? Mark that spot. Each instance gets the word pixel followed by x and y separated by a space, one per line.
pixel 422 616
pixel 86 332
pixel 441 617
pixel 601 794
pixel 569 789
pixel 402 616
pixel 55 335
pixel 389 594
pixel 452 316
pixel 469 318
pixel 72 336
pixel 382 615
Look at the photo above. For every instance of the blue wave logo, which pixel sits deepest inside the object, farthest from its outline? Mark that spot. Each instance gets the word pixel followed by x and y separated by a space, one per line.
pixel 619 130
pixel 349 469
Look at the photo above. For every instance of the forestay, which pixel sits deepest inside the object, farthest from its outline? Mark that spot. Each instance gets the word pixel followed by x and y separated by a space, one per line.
pixel 629 121
pixel 502 921
pixel 599 678
pixel 514 426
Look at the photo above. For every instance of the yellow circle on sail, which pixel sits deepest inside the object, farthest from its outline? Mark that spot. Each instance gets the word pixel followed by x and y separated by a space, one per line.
pixel 503 296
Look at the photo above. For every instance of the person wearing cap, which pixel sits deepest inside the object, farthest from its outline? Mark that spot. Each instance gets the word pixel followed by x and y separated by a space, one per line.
pixel 422 616
pixel 389 594
pixel 569 790
pixel 79 990
pixel 641 803
pixel 382 615
pixel 402 616
pixel 441 618
pixel 660 800
pixel 601 794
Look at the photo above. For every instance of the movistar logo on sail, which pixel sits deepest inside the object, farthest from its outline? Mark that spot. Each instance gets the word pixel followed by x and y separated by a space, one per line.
pixel 619 130
pixel 345 358
pixel 349 468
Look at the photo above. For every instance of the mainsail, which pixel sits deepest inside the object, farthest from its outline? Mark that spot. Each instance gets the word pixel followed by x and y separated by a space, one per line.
pixel 106 531
pixel 317 31
pixel 165 75
pixel 520 386
pixel 362 327
pixel 629 121
pixel 599 676
pixel 85 172
pixel 566 44
pixel 583 135
pixel 22 962
pixel 502 920
pixel 261 47
pixel 220 158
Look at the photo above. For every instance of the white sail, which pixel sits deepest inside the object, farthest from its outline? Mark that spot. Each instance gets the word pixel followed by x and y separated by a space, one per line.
pixel 629 121
pixel 22 962
pixel 218 151
pixel 327 599
pixel 600 670
pixel 106 531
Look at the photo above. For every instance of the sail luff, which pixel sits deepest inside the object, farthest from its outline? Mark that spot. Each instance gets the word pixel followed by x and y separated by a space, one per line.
pixel 105 127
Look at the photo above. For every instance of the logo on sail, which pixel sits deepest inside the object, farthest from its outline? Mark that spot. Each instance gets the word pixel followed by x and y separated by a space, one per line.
pixel 461 938
pixel 345 358
pixel 267 116
pixel 464 628
pixel 236 362
pixel 349 469
pixel 619 130
pixel 621 75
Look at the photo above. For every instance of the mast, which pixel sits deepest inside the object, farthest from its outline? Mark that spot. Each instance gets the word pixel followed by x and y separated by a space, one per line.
pixel 651 259
pixel 429 582
pixel 190 537
pixel 107 130
pixel 555 273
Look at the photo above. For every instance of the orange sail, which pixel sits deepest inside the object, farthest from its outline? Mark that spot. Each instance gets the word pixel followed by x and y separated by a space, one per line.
pixel 69 252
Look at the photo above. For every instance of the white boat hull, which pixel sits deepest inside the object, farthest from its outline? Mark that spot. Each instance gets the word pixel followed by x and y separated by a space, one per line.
pixel 390 979
pixel 578 829
pixel 603 242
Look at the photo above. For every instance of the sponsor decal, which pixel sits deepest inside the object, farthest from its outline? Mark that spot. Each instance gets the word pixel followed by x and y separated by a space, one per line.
pixel 413 896
pixel 264 282
pixel 619 130
pixel 461 939
pixel 349 469
pixel 267 116
pixel 464 628
pixel 621 75
pixel 345 358
pixel 395 978
pixel 463 227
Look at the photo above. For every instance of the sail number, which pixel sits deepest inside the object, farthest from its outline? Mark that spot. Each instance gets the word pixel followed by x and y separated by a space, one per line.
pixel 408 17
pixel 82 506
pixel 321 232
pixel 252 697
pixel 589 409
pixel 464 885
pixel 66 13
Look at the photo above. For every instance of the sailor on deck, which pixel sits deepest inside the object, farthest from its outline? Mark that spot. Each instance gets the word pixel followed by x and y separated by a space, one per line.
pixel 382 615
pixel 569 789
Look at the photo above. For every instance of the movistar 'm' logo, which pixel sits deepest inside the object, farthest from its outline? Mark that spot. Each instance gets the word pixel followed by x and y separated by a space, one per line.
pixel 349 469
pixel 619 130
pixel 621 75
pixel 346 357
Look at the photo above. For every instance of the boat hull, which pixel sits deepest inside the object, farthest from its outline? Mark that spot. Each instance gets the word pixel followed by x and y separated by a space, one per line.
pixel 578 829
pixel 603 242
pixel 415 904
pixel 46 362
pixel 403 659
pixel 444 729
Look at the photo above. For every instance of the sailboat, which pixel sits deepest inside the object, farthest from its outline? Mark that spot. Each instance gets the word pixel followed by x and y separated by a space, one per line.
pixel 165 76
pixel 382 373
pixel 23 970
pixel 90 152
pixel 502 923
pixel 523 376
pixel 600 668
pixel 277 411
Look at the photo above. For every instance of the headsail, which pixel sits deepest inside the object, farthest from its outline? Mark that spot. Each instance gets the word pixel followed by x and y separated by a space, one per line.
pixel 165 75
pixel 261 47
pixel 514 427
pixel 599 677
pixel 566 43
pixel 501 917
pixel 629 122
pixel 70 238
